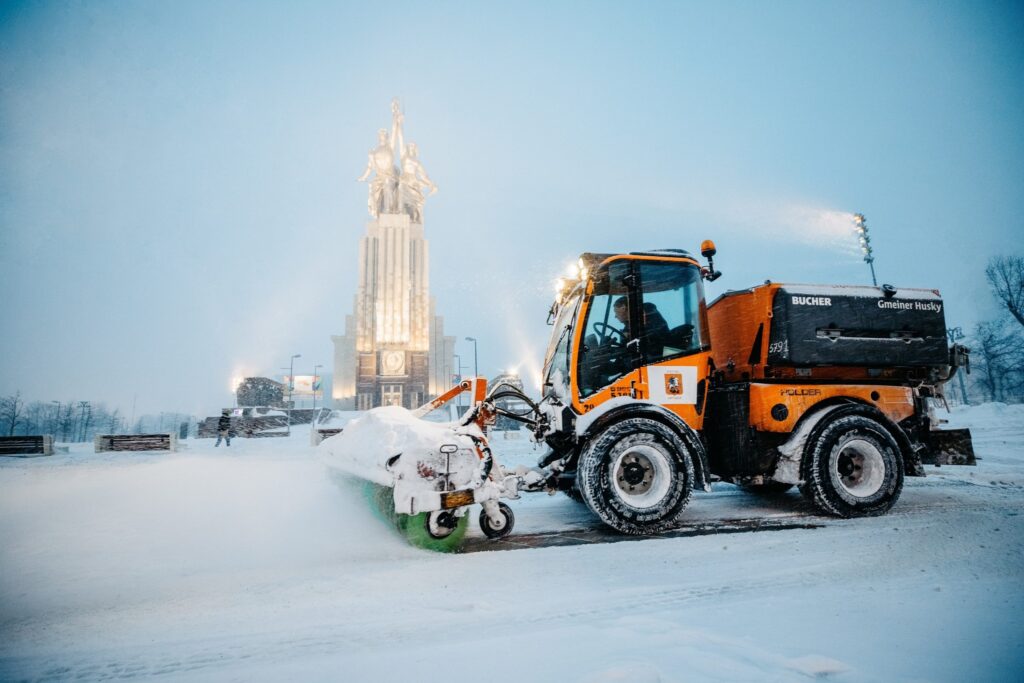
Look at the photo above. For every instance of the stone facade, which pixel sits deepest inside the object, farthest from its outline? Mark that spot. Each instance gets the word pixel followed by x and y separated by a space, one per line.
pixel 394 350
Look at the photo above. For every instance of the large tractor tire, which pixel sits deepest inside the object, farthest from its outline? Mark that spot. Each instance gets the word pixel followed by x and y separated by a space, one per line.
pixel 852 467
pixel 574 495
pixel 438 531
pixel 636 476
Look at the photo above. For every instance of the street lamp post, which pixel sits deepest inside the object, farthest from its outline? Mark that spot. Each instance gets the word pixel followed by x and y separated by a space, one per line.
pixel 860 225
pixel 458 375
pixel 315 368
pixel 476 367
pixel 291 387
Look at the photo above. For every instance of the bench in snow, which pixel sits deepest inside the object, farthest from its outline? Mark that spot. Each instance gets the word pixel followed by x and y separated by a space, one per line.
pixel 136 442
pixel 319 434
pixel 26 445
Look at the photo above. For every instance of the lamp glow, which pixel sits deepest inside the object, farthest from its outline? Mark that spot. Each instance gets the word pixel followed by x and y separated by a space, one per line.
pixel 860 226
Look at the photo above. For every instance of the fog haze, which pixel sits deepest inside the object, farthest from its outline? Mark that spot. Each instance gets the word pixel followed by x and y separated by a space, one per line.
pixel 178 195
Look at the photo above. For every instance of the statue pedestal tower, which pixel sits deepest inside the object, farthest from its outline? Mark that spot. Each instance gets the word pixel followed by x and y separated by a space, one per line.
pixel 394 351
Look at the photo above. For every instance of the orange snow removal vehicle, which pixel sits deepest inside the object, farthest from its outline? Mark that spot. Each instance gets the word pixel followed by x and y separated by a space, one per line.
pixel 649 393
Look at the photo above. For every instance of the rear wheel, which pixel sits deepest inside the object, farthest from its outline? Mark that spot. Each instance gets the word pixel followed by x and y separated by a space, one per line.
pixel 636 476
pixel 853 467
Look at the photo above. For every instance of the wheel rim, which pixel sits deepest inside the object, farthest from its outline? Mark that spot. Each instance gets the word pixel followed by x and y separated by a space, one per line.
pixel 641 476
pixel 859 468
pixel 441 524
pixel 499 524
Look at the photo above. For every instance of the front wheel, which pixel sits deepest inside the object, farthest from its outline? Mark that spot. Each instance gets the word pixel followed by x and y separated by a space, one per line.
pixel 636 476
pixel 574 494
pixel 853 467
pixel 493 531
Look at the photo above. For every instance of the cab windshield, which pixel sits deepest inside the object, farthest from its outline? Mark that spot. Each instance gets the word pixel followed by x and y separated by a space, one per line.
pixel 556 358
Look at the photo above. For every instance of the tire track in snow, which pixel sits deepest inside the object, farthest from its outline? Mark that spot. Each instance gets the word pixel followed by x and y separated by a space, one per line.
pixel 807 518
pixel 387 633
pixel 372 632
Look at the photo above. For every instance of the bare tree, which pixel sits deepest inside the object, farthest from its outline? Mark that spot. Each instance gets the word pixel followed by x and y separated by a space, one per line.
pixel 84 420
pixel 65 420
pixel 36 417
pixel 1005 274
pixel 114 422
pixel 997 359
pixel 11 409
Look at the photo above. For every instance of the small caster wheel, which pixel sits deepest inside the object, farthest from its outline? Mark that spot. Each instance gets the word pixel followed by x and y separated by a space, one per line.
pixel 492 531
pixel 441 524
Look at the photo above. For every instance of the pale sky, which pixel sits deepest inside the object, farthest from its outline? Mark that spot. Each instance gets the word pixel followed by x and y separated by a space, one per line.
pixel 178 200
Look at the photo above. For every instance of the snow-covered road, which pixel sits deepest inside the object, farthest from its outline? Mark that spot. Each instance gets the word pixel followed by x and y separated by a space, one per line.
pixel 254 564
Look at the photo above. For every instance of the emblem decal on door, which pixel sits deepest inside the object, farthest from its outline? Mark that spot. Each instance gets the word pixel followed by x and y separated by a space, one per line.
pixel 672 383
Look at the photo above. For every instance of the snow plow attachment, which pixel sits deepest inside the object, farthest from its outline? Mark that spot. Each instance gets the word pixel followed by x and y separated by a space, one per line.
pixel 438 531
pixel 421 477
pixel 949 447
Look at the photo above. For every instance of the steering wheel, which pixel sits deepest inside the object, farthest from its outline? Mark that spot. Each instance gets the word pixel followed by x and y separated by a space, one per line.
pixel 607 332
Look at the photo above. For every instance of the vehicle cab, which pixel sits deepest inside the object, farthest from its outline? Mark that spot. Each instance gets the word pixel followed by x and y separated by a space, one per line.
pixel 630 328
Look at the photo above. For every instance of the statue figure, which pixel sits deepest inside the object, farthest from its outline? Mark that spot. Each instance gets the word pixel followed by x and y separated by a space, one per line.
pixel 411 183
pixel 393 190
pixel 384 185
pixel 413 178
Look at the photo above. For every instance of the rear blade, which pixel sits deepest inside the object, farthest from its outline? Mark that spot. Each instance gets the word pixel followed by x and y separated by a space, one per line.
pixel 949 447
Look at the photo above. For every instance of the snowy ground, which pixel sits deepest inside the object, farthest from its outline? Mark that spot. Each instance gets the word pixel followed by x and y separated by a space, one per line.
pixel 251 563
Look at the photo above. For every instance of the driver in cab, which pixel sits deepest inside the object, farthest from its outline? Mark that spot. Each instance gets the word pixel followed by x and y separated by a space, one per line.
pixel 654 327
pixel 607 358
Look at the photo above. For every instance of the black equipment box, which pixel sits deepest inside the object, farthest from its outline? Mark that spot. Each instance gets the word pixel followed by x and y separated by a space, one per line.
pixel 857 326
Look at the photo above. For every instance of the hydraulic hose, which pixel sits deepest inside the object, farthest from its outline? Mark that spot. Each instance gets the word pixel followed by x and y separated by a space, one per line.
pixel 513 391
pixel 487 461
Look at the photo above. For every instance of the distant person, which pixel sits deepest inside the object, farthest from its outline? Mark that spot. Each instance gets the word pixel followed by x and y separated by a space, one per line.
pixel 223 428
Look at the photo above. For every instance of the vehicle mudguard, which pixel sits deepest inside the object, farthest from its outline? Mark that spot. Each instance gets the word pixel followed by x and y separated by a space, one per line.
pixel 667 417
pixel 911 459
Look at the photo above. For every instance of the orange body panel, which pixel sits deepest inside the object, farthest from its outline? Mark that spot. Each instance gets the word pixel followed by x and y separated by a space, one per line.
pixel 734 322
pixel 896 403
pixel 637 385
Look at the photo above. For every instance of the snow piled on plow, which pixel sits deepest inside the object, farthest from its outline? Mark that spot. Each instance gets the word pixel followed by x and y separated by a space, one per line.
pixel 369 442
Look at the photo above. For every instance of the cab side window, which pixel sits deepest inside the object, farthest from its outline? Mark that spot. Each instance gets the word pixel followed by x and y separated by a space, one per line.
pixel 672 315
pixel 604 356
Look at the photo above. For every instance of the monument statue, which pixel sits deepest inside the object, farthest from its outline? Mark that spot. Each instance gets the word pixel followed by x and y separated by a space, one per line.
pixel 393 190
pixel 394 350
